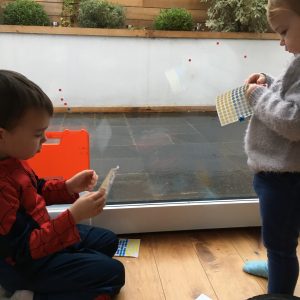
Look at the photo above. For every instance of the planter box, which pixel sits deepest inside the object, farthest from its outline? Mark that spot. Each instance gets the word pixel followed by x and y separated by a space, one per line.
pixel 117 69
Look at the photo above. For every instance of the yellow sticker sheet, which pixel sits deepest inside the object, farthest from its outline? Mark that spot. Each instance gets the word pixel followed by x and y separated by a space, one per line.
pixel 233 106
pixel 128 247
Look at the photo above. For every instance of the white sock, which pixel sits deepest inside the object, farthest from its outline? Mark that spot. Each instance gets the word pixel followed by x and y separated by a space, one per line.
pixel 22 295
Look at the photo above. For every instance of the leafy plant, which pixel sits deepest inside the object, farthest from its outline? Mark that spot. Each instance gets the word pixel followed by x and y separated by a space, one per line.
pixel 1 16
pixel 100 14
pixel 25 12
pixel 69 13
pixel 237 15
pixel 174 19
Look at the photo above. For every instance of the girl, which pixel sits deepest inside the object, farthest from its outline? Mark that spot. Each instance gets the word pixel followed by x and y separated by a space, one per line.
pixel 272 144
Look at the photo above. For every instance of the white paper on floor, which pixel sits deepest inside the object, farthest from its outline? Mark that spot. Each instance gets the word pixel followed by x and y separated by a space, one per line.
pixel 203 297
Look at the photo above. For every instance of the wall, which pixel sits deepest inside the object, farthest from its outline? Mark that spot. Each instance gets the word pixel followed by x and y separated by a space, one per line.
pixel 101 71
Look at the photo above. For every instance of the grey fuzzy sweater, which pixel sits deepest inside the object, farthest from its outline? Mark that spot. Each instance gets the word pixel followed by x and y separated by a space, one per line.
pixel 272 140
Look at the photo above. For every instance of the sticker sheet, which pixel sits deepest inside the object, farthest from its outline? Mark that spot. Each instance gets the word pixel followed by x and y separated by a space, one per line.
pixel 128 247
pixel 233 106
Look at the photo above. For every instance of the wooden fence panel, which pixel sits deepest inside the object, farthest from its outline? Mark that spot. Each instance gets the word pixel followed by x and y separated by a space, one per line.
pixel 188 4
pixel 142 13
pixel 50 1
pixel 138 3
pixel 139 13
pixel 52 8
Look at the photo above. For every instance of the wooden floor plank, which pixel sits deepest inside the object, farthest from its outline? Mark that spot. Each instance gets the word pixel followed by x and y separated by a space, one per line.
pixel 223 266
pixel 183 265
pixel 142 278
pixel 248 243
pixel 181 272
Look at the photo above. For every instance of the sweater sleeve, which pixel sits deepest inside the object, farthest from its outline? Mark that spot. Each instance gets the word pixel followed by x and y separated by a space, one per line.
pixel 278 107
pixel 269 79
pixel 53 236
pixel 22 238
pixel 55 192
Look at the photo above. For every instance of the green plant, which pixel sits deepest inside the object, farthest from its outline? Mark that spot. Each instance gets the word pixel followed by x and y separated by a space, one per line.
pixel 100 14
pixel 25 12
pixel 174 19
pixel 69 13
pixel 1 13
pixel 237 15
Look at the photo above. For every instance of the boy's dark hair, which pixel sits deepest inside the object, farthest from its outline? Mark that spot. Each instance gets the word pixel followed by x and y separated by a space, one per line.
pixel 17 95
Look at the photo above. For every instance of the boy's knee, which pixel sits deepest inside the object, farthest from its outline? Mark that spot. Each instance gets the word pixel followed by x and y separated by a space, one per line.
pixel 114 242
pixel 114 245
pixel 118 273
pixel 119 269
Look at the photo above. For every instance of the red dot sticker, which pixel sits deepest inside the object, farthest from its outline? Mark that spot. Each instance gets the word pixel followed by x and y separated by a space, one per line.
pixel 65 103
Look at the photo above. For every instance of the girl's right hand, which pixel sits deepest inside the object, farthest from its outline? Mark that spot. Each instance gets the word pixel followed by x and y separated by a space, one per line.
pixel 88 206
pixel 256 78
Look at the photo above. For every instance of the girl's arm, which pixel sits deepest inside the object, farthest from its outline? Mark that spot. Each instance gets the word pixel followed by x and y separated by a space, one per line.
pixel 278 107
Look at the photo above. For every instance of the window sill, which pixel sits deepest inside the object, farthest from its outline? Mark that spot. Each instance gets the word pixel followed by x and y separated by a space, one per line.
pixel 135 33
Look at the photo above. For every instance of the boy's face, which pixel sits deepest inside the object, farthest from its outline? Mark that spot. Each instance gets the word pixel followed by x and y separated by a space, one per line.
pixel 287 24
pixel 26 139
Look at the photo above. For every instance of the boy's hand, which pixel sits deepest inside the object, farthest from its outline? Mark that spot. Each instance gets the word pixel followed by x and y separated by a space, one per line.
pixel 256 78
pixel 88 206
pixel 82 181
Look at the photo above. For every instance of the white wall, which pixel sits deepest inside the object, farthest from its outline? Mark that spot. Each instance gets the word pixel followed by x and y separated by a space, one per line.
pixel 121 71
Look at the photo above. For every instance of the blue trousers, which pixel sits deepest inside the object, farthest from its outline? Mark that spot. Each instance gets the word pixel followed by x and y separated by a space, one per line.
pixel 82 271
pixel 279 198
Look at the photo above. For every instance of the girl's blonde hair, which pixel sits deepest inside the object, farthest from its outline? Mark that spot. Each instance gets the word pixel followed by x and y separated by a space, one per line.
pixel 277 5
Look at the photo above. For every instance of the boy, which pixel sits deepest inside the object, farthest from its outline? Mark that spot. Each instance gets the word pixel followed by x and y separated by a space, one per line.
pixel 54 259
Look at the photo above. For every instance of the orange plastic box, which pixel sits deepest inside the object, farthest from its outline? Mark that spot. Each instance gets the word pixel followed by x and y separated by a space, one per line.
pixel 63 159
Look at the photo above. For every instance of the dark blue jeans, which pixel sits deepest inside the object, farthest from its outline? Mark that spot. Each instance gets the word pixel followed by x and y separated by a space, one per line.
pixel 82 271
pixel 279 198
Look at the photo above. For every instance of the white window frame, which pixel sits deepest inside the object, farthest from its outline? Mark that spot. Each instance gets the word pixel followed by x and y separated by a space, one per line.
pixel 174 216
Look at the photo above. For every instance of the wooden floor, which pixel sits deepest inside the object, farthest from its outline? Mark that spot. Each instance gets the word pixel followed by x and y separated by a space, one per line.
pixel 184 265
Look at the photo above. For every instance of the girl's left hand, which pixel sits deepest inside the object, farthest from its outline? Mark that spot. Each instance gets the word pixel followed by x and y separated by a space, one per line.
pixel 82 181
pixel 251 88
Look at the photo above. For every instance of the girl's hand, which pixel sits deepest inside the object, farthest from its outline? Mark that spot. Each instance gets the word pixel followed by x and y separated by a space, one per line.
pixel 82 181
pixel 254 81
pixel 256 78
pixel 251 88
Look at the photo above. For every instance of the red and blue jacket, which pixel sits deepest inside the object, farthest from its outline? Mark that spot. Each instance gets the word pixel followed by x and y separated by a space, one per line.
pixel 26 230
